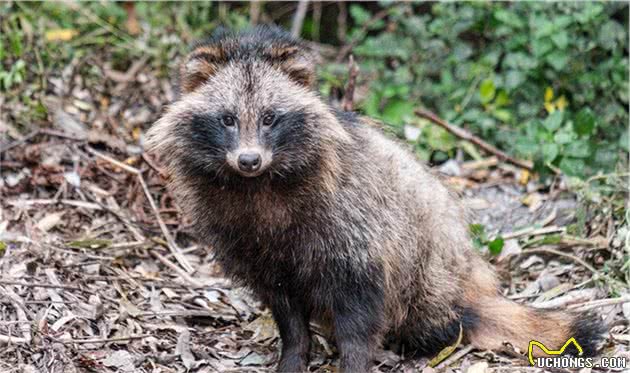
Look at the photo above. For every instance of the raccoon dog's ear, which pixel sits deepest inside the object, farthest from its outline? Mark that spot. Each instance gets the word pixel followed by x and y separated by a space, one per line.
pixel 200 65
pixel 296 62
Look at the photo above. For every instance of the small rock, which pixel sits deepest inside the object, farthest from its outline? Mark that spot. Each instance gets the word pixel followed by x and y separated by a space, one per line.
pixel 451 168
pixel 121 360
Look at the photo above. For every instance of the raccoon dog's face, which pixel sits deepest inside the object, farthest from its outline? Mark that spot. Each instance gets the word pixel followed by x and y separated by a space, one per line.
pixel 247 111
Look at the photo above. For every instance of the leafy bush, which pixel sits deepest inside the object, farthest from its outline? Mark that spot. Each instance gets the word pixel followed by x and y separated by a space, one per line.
pixel 543 81
pixel 547 82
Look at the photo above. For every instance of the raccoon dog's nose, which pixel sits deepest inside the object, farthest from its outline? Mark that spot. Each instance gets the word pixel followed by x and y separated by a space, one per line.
pixel 249 162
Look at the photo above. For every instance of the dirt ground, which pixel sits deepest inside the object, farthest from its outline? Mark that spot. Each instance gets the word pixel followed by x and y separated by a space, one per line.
pixel 99 274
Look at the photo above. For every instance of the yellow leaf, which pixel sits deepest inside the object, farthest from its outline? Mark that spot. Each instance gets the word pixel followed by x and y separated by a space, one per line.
pixel 550 107
pixel 131 160
pixel 60 34
pixel 523 177
pixel 548 94
pixel 448 350
pixel 136 132
pixel 562 103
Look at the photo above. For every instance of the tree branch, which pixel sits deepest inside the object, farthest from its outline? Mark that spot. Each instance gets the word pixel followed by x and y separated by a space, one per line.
pixel 347 103
pixel 465 135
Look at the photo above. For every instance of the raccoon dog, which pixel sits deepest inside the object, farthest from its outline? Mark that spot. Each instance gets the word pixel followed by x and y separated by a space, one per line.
pixel 324 218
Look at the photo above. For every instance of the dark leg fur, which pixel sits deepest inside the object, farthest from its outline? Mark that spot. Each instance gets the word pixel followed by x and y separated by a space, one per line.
pixel 358 316
pixel 292 320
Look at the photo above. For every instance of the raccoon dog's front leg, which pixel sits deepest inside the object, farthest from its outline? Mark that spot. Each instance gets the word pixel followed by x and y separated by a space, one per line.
pixel 292 320
pixel 358 318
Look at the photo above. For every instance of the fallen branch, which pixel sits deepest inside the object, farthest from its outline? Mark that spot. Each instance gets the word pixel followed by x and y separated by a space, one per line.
pixel 105 340
pixel 179 271
pixel 347 103
pixel 172 245
pixel 12 339
pixel 566 255
pixel 599 303
pixel 48 286
pixel 465 135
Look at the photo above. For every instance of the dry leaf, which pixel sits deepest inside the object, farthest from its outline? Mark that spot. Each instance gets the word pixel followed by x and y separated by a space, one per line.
pixel 49 221
pixel 183 349
pixel 481 367
pixel 448 350
pixel 61 34
pixel 121 360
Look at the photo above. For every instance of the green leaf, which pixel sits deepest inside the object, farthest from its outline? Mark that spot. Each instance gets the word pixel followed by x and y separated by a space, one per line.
pixel 553 121
pixel 359 15
pixel 572 166
pixel 557 59
pixel 527 146
pixel 476 229
pixel 550 152
pixel 584 122
pixel 578 149
pixel 624 141
pixel 487 90
pixel 495 246
pixel 502 115
pixel 513 79
pixel 564 136
pixel 560 39
pixel 398 111
pixel 509 18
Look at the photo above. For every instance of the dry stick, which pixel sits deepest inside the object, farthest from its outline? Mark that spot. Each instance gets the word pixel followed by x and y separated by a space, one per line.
pixel 599 303
pixel 298 18
pixel 12 339
pixel 531 231
pixel 175 268
pixel 456 356
pixel 50 286
pixel 566 255
pixel 169 239
pixel 465 135
pixel 254 12
pixel 347 103
pixel 105 340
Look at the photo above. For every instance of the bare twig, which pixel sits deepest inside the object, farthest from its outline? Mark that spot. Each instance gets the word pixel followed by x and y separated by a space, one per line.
pixel 254 12
pixel 49 286
pixel 566 255
pixel 465 135
pixel 342 22
pixel 456 356
pixel 175 268
pixel 347 103
pixel 20 141
pixel 599 303
pixel 298 18
pixel 12 339
pixel 531 231
pixel 105 340
pixel 317 20
pixel 172 245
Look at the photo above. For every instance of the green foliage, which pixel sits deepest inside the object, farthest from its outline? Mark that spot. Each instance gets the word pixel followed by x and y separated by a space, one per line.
pixel 481 240
pixel 545 81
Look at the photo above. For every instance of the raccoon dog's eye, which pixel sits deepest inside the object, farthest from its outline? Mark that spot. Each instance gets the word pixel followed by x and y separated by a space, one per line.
pixel 228 120
pixel 268 119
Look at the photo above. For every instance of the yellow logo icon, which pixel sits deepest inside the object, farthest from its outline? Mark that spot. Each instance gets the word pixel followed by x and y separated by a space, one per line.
pixel 530 349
